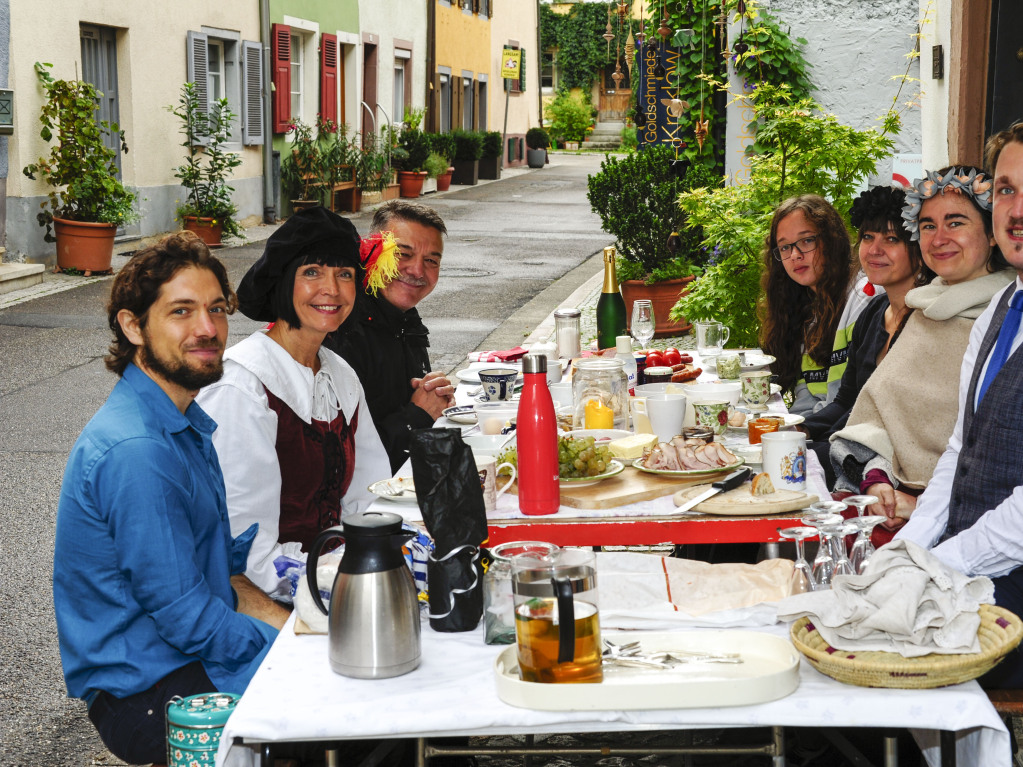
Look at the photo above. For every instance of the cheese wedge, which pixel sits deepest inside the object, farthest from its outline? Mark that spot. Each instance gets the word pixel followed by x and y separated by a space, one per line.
pixel 631 447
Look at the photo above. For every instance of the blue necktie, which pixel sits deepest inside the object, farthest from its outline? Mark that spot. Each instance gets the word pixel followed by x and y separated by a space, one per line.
pixel 1006 335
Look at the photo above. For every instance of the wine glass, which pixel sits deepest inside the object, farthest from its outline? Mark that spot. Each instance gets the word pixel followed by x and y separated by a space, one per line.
pixel 863 549
pixel 643 321
pixel 860 502
pixel 836 532
pixel 802 578
pixel 830 507
pixel 824 563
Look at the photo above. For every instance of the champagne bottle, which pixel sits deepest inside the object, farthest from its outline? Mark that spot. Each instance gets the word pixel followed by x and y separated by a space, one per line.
pixel 611 320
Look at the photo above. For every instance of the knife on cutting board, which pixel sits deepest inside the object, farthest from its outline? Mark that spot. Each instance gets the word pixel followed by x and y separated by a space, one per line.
pixel 730 482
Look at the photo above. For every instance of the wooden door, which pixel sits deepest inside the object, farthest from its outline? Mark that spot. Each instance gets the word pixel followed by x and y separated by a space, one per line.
pixel 614 102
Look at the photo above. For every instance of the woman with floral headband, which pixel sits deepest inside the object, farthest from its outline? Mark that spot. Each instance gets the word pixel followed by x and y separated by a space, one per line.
pixel 812 297
pixel 906 411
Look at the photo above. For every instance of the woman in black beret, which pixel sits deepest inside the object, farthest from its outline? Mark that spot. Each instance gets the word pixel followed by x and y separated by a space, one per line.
pixel 295 437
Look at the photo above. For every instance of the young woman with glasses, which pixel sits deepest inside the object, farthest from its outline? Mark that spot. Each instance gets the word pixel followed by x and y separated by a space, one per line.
pixel 812 296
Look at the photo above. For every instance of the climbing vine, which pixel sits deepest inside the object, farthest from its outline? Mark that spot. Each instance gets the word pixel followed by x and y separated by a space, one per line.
pixel 582 53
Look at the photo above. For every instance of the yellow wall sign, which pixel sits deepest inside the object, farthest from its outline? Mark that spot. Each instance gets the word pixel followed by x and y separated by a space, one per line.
pixel 510 63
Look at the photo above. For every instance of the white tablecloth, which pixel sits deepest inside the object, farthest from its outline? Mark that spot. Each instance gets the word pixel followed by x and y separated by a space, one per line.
pixel 295 696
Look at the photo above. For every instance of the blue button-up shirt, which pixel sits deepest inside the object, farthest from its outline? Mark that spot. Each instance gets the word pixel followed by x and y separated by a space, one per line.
pixel 144 554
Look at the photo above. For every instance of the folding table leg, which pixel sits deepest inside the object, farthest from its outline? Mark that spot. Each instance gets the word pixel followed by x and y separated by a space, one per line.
pixel 947 739
pixel 420 752
pixel 891 749
pixel 778 735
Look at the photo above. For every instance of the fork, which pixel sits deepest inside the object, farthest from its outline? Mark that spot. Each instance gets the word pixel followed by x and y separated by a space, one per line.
pixel 388 489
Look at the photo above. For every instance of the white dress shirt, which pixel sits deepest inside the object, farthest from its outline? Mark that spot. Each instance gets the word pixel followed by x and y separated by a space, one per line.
pixel 246 436
pixel 994 545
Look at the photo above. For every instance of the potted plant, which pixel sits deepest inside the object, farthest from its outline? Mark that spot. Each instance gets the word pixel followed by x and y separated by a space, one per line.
pixel 435 165
pixel 490 159
pixel 468 150
pixel 412 165
pixel 302 170
pixel 208 210
pixel 537 142
pixel 636 199
pixel 373 169
pixel 87 202
pixel 570 117
pixel 341 158
pixel 444 145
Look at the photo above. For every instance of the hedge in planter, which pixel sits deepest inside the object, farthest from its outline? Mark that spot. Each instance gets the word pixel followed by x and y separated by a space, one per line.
pixel 468 150
pixel 537 142
pixel 490 160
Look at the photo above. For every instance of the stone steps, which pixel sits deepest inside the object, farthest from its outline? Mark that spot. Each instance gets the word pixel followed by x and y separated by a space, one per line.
pixel 18 276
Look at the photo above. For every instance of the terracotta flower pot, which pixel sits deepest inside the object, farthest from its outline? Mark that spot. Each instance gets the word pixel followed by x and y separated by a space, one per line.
pixel 411 182
pixel 84 245
pixel 444 180
pixel 663 295
pixel 208 230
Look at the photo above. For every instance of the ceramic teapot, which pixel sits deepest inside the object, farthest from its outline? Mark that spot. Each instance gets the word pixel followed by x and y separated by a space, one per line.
pixel 373 624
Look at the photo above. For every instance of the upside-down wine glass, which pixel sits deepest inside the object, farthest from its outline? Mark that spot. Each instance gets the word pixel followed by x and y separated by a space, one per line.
pixel 860 502
pixel 802 577
pixel 823 563
pixel 863 549
pixel 837 532
pixel 831 507
pixel 643 321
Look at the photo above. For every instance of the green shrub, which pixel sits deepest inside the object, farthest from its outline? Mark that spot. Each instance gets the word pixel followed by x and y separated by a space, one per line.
pixel 629 138
pixel 413 141
pixel 491 144
pixel 569 116
pixel 468 145
pixel 537 138
pixel 636 199
pixel 435 165
pixel 443 144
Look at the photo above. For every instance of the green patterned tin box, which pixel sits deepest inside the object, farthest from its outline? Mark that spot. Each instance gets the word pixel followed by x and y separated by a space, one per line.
pixel 194 725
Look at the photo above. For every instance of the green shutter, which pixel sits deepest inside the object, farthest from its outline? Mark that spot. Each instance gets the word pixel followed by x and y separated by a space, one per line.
pixel 522 69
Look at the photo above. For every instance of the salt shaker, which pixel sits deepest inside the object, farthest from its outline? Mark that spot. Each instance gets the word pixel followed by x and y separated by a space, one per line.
pixel 567 332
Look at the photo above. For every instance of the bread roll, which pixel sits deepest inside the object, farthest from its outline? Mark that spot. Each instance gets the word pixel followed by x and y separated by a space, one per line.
pixel 762 484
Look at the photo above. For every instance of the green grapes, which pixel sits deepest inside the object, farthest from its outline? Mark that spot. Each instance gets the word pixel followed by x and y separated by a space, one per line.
pixel 577 458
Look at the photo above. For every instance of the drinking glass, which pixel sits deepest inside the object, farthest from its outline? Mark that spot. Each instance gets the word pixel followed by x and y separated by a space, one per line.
pixel 860 502
pixel 835 508
pixel 824 563
pixel 836 532
pixel 643 321
pixel 863 549
pixel 802 577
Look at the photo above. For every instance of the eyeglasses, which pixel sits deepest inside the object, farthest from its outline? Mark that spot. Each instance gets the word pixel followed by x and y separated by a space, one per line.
pixel 806 247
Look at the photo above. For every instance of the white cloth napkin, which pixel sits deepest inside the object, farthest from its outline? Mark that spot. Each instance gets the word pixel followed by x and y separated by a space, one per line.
pixel 908 602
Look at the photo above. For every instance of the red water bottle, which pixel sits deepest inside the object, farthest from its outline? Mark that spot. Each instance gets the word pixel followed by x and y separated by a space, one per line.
pixel 536 435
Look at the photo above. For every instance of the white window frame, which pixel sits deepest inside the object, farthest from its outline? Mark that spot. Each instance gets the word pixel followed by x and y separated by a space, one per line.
pixel 240 75
pixel 445 101
pixel 297 95
pixel 215 75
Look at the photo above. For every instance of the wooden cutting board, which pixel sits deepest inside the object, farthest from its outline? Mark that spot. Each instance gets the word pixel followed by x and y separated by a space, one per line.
pixel 742 503
pixel 630 486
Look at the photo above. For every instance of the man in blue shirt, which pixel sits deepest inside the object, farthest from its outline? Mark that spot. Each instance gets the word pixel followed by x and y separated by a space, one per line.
pixel 143 558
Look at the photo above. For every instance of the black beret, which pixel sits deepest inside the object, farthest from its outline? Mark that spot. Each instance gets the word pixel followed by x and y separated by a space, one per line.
pixel 314 232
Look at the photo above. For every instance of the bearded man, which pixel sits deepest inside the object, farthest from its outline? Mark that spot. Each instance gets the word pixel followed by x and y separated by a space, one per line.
pixel 143 558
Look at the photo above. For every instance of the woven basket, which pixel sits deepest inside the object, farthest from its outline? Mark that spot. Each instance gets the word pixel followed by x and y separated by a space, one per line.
pixel 1000 631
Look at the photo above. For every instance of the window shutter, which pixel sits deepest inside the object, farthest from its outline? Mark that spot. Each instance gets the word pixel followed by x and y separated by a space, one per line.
pixel 280 64
pixel 252 93
pixel 328 77
pixel 522 69
pixel 196 68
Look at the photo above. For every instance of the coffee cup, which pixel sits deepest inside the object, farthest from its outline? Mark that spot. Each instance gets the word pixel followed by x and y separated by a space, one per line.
pixel 711 336
pixel 488 467
pixel 665 412
pixel 712 415
pixel 784 459
pixel 498 384
pixel 756 388
pixel 640 420
pixel 562 395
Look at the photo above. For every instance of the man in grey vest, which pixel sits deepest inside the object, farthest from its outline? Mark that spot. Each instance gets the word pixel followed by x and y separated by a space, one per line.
pixel 971 514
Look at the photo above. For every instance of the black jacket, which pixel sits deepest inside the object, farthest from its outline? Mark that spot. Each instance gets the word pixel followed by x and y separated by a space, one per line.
pixel 387 348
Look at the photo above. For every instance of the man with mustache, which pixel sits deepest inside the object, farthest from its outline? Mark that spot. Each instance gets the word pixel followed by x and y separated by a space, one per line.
pixel 972 511
pixel 385 340
pixel 143 556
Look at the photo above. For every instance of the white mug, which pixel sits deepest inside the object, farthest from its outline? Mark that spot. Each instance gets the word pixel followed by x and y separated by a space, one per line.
pixel 488 467
pixel 561 393
pixel 784 457
pixel 665 412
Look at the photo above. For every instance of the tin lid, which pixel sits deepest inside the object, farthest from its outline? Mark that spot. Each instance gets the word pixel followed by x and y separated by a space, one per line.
pixel 211 708
pixel 567 313
pixel 658 370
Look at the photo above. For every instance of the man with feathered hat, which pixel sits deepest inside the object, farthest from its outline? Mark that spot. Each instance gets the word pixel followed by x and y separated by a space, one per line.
pixel 384 339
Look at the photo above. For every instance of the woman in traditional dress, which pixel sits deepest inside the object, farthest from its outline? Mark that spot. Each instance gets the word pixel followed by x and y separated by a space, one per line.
pixel 295 437
pixel 905 413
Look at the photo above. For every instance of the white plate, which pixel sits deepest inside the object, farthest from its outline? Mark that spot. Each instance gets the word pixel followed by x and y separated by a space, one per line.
pixel 460 414
pixel 638 464
pixel 471 374
pixel 770 670
pixel 616 467
pixel 753 361
pixel 403 483
pixel 599 435
pixel 791 419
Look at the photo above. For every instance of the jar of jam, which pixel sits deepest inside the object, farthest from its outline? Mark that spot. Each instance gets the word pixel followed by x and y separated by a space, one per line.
pixel 760 426
pixel 657 374
pixel 698 432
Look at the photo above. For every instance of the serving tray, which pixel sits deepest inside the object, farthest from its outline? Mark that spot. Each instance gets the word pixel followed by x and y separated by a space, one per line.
pixel 770 671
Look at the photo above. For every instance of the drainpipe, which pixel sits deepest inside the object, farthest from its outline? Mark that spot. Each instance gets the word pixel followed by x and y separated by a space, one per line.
pixel 537 78
pixel 432 120
pixel 269 210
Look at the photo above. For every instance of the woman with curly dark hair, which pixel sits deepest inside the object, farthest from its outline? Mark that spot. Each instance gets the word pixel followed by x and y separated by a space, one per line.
pixel 812 297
